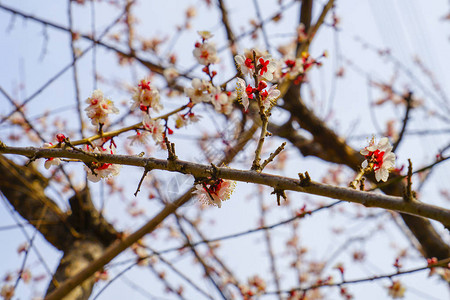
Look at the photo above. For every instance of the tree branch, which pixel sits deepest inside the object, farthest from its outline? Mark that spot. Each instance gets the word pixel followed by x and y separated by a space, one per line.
pixel 368 199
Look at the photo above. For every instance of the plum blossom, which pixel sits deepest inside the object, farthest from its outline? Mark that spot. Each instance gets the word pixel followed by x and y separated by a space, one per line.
pixel 223 102
pixel 380 157
pixel 141 137
pixel 396 290
pixel 102 170
pixel 155 128
pixel 293 67
pixel 245 64
pixel 99 108
pixel 51 161
pixel 444 273
pixel 270 97
pixel 215 191
pixel 241 92
pixel 146 96
pixel 171 74
pixel 205 34
pixel 201 91
pixel 182 120
pixel 206 53
pixel 267 66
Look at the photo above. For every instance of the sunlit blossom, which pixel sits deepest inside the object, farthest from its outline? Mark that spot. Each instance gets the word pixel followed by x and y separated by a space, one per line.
pixel 170 74
pixel 380 157
pixel 270 97
pixel 51 161
pixel 245 64
pixel 206 53
pixel 267 66
pixel 201 91
pixel 205 34
pixel 102 170
pixel 241 92
pixel 146 96
pixel 155 128
pixel 292 67
pixel 141 137
pixel 99 108
pixel 215 191
pixel 223 102
pixel 182 120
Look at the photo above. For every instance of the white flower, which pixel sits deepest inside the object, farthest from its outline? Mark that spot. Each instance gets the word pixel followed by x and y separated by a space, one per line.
pixel 206 53
pixel 170 74
pixel 267 66
pixel 99 108
pixel 146 96
pixel 215 191
pixel 205 34
pixel 270 97
pixel 245 64
pixel 396 290
pixel 380 156
pixel 52 161
pixel 294 67
pixel 444 273
pixel 201 91
pixel 155 128
pixel 141 137
pixel 223 102
pixel 241 92
pixel 103 170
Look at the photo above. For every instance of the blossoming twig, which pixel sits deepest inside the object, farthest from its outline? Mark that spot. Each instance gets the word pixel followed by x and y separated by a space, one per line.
pixel 368 199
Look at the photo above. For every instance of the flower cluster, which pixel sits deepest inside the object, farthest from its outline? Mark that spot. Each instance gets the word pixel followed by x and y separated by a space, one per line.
pixel 155 128
pixel 205 52
pixel 146 96
pixel 264 69
pixel 223 102
pixel 379 158
pixel 141 137
pixel 99 108
pixel 203 91
pixel 102 170
pixel 182 120
pixel 268 97
pixel 255 286
pixel 295 68
pixel 214 191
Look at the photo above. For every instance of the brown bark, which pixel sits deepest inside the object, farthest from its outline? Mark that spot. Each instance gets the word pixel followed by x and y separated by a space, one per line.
pixel 75 259
pixel 24 188
pixel 82 233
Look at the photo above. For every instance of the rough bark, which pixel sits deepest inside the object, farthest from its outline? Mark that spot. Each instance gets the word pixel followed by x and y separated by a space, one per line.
pixel 75 259
pixel 24 188
pixel 82 233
